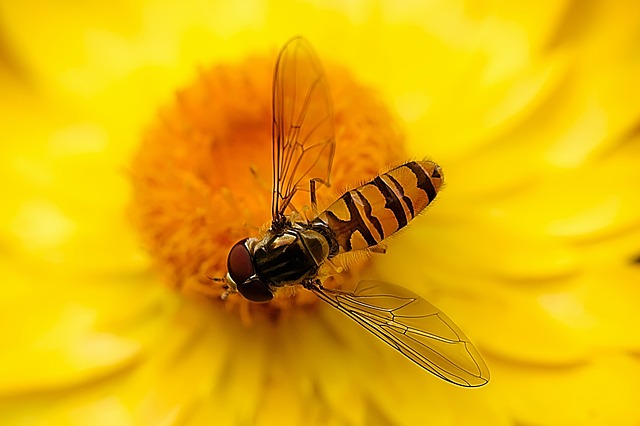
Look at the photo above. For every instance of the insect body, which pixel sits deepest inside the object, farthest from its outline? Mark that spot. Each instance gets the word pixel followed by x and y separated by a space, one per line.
pixel 297 250
pixel 292 252
pixel 365 216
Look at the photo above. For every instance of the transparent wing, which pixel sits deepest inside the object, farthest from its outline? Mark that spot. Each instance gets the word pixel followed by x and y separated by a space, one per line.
pixel 302 129
pixel 414 327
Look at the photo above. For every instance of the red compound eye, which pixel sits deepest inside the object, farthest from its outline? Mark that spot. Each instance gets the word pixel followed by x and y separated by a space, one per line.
pixel 255 291
pixel 239 263
pixel 240 267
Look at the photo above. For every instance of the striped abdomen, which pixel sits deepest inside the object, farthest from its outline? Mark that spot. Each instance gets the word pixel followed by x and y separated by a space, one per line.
pixel 365 216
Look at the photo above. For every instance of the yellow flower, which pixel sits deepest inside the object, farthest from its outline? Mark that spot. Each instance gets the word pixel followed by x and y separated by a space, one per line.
pixel 532 246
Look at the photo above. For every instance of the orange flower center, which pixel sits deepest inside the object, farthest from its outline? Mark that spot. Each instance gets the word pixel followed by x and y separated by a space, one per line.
pixel 202 176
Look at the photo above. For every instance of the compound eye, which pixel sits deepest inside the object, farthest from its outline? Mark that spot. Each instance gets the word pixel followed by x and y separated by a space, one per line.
pixel 241 271
pixel 239 263
pixel 255 291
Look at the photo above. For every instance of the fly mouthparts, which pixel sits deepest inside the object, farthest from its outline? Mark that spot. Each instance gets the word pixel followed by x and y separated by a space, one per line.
pixel 229 286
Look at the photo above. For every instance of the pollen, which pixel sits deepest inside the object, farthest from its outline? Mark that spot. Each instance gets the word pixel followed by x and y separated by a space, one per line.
pixel 202 175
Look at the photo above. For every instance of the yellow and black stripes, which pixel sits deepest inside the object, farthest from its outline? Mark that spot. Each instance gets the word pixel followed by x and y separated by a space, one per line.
pixel 392 202
pixel 365 216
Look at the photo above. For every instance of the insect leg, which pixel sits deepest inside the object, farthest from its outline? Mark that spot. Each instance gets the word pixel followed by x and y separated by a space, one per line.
pixel 312 190
pixel 312 284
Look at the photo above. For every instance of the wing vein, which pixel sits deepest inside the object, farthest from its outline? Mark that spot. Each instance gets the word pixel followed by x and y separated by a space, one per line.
pixel 429 339
pixel 303 136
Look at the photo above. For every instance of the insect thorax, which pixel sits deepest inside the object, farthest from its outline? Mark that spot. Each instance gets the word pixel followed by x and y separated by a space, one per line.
pixel 292 254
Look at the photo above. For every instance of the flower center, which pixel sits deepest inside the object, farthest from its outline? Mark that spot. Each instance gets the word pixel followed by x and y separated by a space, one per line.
pixel 202 175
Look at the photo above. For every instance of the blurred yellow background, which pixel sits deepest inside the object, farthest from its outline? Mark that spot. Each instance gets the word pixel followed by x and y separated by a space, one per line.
pixel 533 247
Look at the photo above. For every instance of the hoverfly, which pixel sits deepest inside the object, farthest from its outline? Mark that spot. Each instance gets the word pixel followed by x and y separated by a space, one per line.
pixel 295 250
